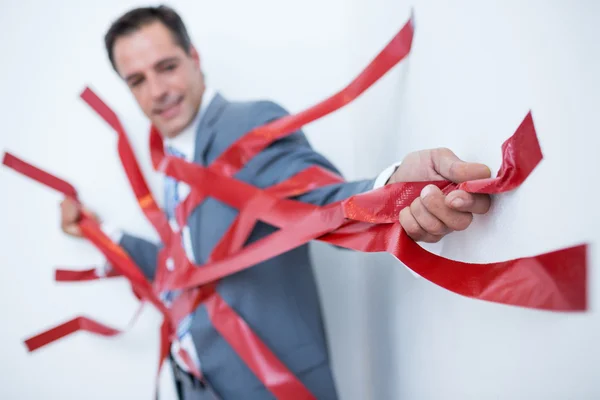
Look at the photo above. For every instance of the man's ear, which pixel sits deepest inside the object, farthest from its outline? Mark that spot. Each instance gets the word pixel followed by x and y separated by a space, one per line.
pixel 195 55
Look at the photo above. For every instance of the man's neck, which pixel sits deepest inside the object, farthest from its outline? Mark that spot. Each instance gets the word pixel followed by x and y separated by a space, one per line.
pixel 184 142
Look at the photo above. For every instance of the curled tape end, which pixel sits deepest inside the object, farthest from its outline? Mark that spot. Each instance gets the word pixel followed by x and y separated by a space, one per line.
pixel 85 92
pixel 11 161
pixel 28 346
pixel 536 147
pixel 6 157
pixel 89 96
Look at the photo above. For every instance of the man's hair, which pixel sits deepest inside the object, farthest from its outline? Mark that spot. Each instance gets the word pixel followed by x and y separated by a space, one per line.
pixel 137 18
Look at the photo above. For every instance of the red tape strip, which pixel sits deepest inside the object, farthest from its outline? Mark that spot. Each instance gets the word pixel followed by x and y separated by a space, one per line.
pixel 37 174
pixel 115 254
pixel 132 169
pixel 383 207
pixel 64 275
pixel 69 327
pixel 258 357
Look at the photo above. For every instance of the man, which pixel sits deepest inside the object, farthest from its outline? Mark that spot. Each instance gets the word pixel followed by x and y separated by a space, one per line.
pixel 151 51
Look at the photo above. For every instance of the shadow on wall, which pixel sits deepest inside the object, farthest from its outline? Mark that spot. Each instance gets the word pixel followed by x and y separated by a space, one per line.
pixel 339 274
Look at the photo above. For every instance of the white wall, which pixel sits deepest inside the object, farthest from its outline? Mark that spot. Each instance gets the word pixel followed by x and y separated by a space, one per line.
pixel 475 70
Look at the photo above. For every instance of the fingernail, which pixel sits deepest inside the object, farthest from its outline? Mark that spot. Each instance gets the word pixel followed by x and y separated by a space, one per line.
pixel 457 202
pixel 427 190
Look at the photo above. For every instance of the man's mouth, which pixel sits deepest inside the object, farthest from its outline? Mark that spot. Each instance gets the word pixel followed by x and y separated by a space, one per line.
pixel 170 110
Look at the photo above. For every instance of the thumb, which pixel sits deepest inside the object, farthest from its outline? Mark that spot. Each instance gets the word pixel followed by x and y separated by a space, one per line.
pixel 73 230
pixel 89 213
pixel 448 165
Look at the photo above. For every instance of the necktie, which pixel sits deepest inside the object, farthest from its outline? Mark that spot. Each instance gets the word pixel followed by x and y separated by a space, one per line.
pixel 172 199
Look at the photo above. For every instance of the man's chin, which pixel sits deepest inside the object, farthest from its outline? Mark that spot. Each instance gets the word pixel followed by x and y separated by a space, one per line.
pixel 174 126
pixel 170 130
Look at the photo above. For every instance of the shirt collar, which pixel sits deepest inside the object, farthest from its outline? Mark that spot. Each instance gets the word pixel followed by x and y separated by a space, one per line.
pixel 185 142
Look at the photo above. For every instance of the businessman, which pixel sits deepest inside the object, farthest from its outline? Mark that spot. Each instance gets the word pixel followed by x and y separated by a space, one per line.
pixel 150 50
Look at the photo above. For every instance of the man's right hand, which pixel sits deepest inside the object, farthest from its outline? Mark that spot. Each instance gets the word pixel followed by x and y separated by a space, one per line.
pixel 71 212
pixel 433 215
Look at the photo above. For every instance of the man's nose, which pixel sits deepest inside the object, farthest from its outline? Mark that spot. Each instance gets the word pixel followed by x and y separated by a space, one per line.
pixel 157 89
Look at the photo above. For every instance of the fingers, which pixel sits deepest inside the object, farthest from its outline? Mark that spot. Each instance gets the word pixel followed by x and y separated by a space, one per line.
pixel 448 165
pixel 468 202
pixel 426 220
pixel 72 229
pixel 70 214
pixel 414 229
pixel 433 215
pixel 435 202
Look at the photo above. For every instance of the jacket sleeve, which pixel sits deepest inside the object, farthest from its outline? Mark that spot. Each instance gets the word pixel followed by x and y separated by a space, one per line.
pixel 293 154
pixel 143 252
pixel 278 162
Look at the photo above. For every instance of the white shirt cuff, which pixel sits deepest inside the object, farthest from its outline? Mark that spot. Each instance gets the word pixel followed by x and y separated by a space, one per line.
pixel 103 269
pixel 112 232
pixel 385 175
pixel 380 181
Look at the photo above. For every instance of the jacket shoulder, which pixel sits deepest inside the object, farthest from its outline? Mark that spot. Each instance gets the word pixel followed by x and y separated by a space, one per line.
pixel 239 118
pixel 253 113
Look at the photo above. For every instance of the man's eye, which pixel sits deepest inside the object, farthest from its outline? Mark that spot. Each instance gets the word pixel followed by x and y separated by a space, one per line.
pixel 170 67
pixel 135 82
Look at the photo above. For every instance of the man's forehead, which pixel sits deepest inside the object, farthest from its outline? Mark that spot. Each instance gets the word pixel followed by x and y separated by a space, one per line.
pixel 144 48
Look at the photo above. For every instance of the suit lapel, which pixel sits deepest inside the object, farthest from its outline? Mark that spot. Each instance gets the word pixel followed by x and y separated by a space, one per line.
pixel 205 135
pixel 206 129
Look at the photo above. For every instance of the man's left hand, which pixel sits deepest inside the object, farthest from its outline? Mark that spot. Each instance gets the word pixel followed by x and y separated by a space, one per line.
pixel 433 215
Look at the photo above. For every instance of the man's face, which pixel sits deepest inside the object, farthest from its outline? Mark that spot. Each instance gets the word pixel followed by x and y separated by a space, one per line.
pixel 166 82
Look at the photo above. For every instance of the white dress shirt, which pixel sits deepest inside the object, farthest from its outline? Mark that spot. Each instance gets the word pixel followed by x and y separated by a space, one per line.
pixel 385 175
pixel 185 144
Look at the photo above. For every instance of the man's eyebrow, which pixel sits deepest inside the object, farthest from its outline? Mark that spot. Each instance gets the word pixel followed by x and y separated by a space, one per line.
pixel 165 61
pixel 131 76
pixel 158 64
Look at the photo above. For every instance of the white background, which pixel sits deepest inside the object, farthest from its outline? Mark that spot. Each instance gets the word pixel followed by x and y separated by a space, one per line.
pixel 476 69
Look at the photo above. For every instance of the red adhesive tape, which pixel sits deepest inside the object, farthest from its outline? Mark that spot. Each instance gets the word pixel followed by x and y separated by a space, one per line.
pixel 118 258
pixel 65 275
pixel 39 175
pixel 367 222
pixel 379 211
pixel 69 327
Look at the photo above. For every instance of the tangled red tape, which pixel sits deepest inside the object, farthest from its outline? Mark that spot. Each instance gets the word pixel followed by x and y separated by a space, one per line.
pixel 367 222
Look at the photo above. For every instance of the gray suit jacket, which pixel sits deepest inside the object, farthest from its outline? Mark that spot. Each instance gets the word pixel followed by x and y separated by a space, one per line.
pixel 278 298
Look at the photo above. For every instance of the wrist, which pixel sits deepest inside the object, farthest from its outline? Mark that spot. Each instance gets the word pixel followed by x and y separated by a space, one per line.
pixel 386 176
pixel 112 232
